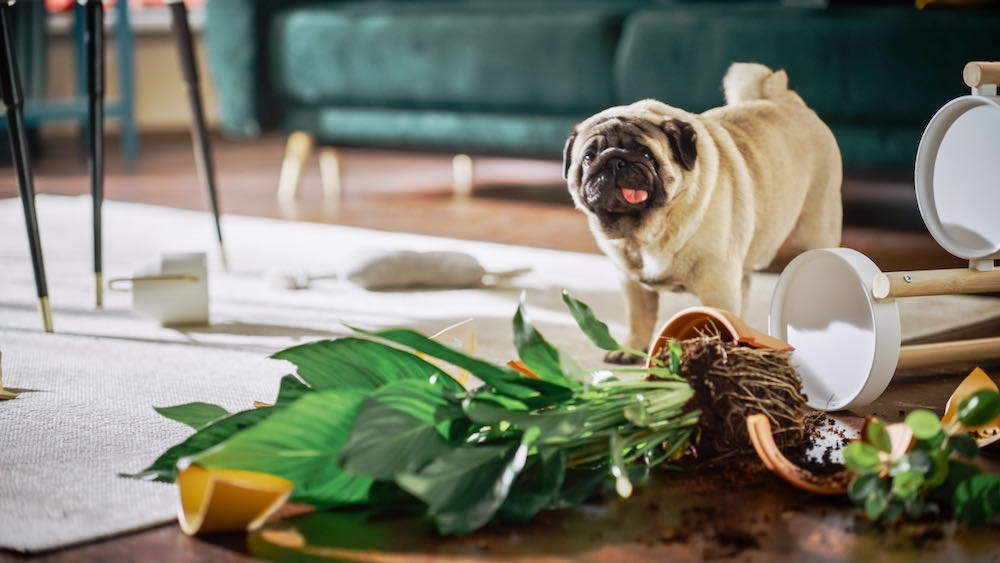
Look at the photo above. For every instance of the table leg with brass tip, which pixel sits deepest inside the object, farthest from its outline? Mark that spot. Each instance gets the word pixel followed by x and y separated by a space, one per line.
pixel 13 99
pixel 94 47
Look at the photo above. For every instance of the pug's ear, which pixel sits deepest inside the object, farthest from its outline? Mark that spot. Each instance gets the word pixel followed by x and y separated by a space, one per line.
pixel 567 152
pixel 683 141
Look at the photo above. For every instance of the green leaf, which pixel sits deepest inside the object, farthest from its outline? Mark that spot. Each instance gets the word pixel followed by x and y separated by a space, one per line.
pixel 357 363
pixel 165 467
pixel 916 460
pixel 290 390
pixel 860 457
pixel 300 443
pixel 675 356
pixel 964 444
pixel 580 482
pixel 537 487
pixel 464 488
pixel 623 485
pixel 595 330
pixel 877 435
pixel 862 486
pixel 876 503
pixel 396 430
pixel 893 511
pixel 939 468
pixel 906 484
pixel 958 472
pixel 977 499
pixel 554 425
pixel 924 424
pixel 504 380
pixel 979 408
pixel 195 415
pixel 543 359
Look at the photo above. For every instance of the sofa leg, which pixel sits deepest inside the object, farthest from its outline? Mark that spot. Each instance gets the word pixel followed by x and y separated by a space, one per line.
pixel 329 173
pixel 461 176
pixel 297 152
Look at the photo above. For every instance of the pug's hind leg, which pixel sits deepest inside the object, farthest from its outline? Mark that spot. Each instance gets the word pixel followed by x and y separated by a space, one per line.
pixel 821 220
pixel 642 305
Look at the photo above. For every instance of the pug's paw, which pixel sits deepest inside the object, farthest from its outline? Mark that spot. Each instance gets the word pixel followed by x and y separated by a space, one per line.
pixel 622 358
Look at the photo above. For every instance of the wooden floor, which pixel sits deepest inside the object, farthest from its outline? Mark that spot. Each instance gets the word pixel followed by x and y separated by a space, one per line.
pixel 519 202
pixel 515 202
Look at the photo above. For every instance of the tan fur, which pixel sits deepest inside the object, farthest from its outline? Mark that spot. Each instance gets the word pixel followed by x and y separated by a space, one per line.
pixel 767 170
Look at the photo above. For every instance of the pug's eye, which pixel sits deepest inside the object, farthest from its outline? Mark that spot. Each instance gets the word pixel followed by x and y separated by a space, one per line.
pixel 588 157
pixel 646 154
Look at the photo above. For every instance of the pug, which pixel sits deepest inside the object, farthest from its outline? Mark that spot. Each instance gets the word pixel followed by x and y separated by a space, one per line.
pixel 696 202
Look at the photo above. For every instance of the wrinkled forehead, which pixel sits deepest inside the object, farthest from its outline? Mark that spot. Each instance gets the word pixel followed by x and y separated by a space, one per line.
pixel 602 131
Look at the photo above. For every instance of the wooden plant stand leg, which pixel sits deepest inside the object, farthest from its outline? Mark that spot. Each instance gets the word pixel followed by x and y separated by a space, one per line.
pixel 330 174
pixel 461 174
pixel 297 150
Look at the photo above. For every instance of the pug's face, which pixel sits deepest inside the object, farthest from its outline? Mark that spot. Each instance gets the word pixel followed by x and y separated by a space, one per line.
pixel 621 167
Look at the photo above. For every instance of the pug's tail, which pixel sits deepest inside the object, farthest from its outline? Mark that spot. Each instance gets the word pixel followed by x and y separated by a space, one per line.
pixel 745 82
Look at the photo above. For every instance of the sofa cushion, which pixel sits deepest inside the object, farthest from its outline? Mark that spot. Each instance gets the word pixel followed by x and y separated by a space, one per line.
pixel 537 57
pixel 850 63
pixel 884 69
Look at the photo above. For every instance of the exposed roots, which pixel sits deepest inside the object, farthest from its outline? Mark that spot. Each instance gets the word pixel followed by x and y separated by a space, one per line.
pixel 733 381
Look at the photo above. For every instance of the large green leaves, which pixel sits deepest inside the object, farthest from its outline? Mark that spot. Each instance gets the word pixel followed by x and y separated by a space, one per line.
pixel 195 415
pixel 535 393
pixel 165 467
pixel 358 363
pixel 555 425
pixel 543 359
pixel 537 487
pixel 594 328
pixel 464 488
pixel 399 428
pixel 300 443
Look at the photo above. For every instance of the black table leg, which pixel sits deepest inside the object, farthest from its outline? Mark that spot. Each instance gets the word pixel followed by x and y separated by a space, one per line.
pixel 93 40
pixel 199 133
pixel 13 99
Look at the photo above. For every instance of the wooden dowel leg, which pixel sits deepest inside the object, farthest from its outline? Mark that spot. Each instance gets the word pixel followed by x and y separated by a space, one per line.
pixel 934 282
pixel 462 176
pixel 330 174
pixel 13 99
pixel 942 353
pixel 297 152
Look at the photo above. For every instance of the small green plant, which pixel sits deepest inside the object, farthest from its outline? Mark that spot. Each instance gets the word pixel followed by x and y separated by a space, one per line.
pixel 936 475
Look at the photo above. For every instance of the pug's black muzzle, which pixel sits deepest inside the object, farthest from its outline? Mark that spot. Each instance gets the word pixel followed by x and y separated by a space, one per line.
pixel 619 181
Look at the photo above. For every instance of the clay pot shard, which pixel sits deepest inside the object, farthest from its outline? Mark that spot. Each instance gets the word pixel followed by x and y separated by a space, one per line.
pixel 759 428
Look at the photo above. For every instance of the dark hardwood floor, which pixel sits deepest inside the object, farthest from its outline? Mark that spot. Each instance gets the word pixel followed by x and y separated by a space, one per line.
pixel 514 201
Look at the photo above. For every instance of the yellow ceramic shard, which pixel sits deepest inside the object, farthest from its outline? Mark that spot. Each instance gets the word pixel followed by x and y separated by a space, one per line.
pixel 975 381
pixel 460 336
pixel 226 500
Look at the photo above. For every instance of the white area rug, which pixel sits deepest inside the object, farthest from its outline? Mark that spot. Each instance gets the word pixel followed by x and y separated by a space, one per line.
pixel 84 412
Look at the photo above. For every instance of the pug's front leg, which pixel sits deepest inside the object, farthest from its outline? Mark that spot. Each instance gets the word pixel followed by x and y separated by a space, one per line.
pixel 642 305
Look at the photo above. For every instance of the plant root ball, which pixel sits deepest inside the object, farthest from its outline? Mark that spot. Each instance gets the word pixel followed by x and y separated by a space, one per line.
pixel 731 382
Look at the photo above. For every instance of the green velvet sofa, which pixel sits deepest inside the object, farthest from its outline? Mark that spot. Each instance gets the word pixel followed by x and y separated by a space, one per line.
pixel 511 77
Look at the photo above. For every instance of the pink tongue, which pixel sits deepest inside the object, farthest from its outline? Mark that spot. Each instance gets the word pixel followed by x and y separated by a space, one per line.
pixel 634 196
